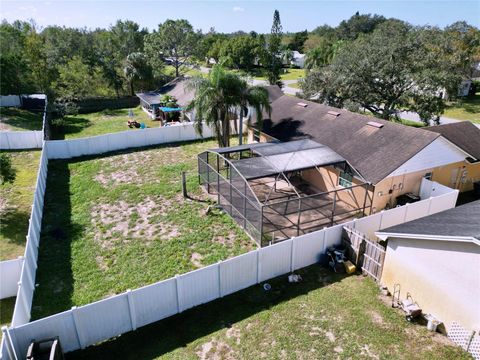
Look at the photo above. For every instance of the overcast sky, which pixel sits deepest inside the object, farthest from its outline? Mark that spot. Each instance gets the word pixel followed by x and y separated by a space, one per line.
pixel 229 16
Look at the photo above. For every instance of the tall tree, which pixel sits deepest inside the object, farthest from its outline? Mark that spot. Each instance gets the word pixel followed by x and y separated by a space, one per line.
pixel 298 40
pixel 389 70
pixel 274 46
pixel 137 68
pixel 175 41
pixel 219 97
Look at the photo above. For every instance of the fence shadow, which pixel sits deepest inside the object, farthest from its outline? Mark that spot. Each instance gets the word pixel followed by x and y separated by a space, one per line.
pixel 54 274
pixel 154 340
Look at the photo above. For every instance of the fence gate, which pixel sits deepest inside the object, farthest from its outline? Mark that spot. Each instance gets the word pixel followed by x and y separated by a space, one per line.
pixel 364 253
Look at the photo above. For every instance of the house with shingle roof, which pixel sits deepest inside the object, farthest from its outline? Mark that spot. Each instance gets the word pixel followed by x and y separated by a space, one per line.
pixel 461 175
pixel 436 259
pixel 392 157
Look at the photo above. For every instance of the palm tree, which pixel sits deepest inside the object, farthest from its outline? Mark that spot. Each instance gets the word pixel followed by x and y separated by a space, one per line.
pixel 218 98
pixel 136 68
pixel 255 97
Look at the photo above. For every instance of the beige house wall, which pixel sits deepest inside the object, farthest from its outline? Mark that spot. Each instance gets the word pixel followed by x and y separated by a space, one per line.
pixel 460 175
pixel 387 190
pixel 326 179
pixel 443 277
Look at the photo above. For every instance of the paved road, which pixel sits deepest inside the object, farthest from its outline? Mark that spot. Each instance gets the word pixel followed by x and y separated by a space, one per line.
pixel 412 116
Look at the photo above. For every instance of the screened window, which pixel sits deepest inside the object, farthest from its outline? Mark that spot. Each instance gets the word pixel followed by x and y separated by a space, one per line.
pixel 345 179
pixel 256 135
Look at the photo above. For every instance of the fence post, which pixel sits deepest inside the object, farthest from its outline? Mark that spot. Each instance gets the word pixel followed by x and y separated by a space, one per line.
pixel 219 279
pixel 429 205
pixel 292 255
pixel 12 354
pixel 324 240
pixel 258 265
pixel 179 309
pixel 381 219
pixel 21 293
pixel 406 213
pixel 131 310
pixel 77 330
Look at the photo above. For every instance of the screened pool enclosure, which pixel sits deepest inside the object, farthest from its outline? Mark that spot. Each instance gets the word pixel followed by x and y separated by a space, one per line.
pixel 276 190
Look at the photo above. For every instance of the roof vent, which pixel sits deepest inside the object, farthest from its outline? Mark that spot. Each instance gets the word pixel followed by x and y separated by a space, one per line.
pixel 375 124
pixel 333 113
pixel 302 104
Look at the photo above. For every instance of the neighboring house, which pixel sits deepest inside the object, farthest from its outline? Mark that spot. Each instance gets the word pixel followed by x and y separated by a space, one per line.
pixel 436 259
pixel 392 157
pixel 463 174
pixel 464 88
pixel 298 59
pixel 151 104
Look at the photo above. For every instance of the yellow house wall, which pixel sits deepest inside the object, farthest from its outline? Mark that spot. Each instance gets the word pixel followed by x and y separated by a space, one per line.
pixel 443 277
pixel 467 174
pixel 399 184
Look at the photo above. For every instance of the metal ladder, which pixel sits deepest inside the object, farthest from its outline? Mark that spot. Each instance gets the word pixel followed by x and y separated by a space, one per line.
pixel 396 295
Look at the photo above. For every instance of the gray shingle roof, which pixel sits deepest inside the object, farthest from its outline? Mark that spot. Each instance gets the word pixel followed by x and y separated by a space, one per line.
pixel 176 88
pixel 460 221
pixel 463 134
pixel 374 152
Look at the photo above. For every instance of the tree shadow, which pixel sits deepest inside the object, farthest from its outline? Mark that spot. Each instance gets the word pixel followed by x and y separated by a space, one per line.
pixel 22 119
pixel 70 125
pixel 14 226
pixel 285 130
pixel 54 274
pixel 162 337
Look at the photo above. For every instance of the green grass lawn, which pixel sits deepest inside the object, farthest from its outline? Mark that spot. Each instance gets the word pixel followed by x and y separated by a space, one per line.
pixel 14 119
pixel 16 203
pixel 6 312
pixel 294 85
pixel 287 74
pixel 465 109
pixel 117 222
pixel 102 122
pixel 327 316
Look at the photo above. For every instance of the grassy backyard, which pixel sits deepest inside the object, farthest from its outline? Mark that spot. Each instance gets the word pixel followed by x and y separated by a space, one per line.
pixel 6 312
pixel 120 221
pixel 16 203
pixel 14 119
pixel 102 122
pixel 327 316
pixel 465 109
pixel 287 74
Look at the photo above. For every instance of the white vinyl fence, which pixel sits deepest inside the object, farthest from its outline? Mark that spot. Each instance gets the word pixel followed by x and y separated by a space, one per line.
pixel 431 188
pixel 17 140
pixel 10 271
pixel 10 100
pixel 64 149
pixel 86 325
pixel 26 285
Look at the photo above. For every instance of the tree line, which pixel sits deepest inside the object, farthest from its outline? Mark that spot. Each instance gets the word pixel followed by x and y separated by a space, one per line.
pixel 368 61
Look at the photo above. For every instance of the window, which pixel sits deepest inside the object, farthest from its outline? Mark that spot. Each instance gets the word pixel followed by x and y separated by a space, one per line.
pixel 345 179
pixel 256 135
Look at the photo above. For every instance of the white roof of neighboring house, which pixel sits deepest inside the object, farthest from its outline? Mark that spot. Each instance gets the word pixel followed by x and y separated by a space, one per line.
pixel 297 55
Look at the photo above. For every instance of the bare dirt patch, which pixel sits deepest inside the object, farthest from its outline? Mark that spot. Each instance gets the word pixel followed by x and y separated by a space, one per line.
pixel 376 318
pixel 215 350
pixel 234 332
pixel 117 177
pixel 132 220
pixel 196 259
